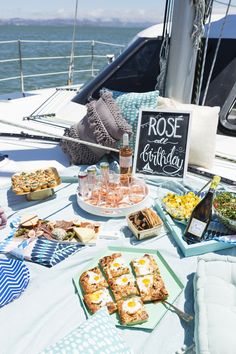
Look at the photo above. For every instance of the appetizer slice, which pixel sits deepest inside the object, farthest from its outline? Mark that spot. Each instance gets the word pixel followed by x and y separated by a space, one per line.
pixel 114 265
pixel 92 280
pixel 144 265
pixel 132 311
pixel 98 299
pixel 152 287
pixel 123 286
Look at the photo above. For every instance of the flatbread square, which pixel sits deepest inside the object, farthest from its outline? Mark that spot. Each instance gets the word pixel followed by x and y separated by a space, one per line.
pixel 92 280
pixel 114 265
pixel 152 287
pixel 132 311
pixel 123 286
pixel 99 299
pixel 144 265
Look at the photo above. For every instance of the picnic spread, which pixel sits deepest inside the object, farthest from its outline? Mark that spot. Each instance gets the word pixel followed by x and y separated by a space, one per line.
pixel 109 257
pixel 78 264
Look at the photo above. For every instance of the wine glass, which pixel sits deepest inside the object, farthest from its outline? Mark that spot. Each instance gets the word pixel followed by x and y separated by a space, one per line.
pixel 137 191
pixel 114 190
pixel 114 180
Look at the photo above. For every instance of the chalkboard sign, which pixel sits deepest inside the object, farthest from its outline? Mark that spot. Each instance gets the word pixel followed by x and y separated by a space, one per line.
pixel 162 143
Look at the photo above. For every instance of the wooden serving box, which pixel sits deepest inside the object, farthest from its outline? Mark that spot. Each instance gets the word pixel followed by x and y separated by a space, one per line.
pixel 37 184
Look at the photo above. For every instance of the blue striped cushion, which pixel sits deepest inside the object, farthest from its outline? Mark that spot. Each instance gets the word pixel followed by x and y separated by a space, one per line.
pixel 14 279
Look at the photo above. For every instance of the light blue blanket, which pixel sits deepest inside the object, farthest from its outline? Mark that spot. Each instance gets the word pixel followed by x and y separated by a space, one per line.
pixel 49 308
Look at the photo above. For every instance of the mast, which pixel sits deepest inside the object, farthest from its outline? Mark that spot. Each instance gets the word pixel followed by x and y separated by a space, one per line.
pixel 183 53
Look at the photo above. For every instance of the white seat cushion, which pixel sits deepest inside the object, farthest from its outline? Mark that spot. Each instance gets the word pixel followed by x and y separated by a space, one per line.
pixel 215 305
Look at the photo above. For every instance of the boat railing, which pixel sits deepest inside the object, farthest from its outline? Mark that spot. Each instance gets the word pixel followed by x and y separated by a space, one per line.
pixel 93 54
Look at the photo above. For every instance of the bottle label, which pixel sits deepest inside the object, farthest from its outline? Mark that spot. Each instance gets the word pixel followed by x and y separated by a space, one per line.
pixel 197 227
pixel 126 161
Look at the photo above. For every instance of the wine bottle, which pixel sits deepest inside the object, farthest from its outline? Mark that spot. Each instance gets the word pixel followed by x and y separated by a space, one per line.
pixel 201 216
pixel 125 156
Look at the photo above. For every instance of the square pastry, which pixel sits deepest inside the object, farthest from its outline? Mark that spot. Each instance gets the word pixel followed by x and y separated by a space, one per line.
pixel 98 299
pixel 132 311
pixel 114 265
pixel 144 265
pixel 123 286
pixel 152 287
pixel 92 280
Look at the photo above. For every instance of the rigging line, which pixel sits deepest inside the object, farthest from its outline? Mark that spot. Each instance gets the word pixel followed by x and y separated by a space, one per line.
pixel 165 19
pixel 216 52
pixel 209 13
pixel 224 3
pixel 24 135
pixel 39 119
pixel 77 141
pixel 170 18
pixel 164 50
pixel 167 16
pixel 71 65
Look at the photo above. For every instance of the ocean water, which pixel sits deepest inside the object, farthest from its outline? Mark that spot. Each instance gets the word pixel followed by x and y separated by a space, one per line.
pixel 11 51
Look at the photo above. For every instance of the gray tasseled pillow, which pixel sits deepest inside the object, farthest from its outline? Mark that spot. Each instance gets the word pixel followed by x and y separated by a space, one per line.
pixel 103 124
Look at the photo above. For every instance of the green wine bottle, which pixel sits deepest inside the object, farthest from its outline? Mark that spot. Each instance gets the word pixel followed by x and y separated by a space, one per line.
pixel 201 216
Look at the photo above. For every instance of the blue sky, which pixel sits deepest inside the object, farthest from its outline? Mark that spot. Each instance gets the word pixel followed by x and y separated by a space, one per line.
pixel 136 10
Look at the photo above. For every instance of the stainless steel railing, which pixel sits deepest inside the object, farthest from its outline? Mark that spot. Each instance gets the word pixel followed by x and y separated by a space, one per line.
pixel 91 55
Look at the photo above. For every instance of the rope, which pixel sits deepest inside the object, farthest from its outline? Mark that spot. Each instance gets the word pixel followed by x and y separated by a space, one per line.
pixel 163 57
pixel 216 52
pixel 198 23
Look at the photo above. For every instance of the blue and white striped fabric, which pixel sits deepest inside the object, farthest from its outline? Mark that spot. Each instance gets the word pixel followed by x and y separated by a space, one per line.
pixel 14 279
pixel 38 250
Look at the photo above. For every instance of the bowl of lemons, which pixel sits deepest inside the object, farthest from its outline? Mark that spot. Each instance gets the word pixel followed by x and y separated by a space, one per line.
pixel 180 207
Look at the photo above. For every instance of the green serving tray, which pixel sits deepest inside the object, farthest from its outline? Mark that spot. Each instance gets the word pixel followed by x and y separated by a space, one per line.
pixel 155 310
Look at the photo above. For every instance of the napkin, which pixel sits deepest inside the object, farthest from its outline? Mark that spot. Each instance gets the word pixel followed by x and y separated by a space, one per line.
pixel 14 279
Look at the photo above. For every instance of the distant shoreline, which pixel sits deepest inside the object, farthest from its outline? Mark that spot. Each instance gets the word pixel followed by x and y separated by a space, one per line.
pixel 70 22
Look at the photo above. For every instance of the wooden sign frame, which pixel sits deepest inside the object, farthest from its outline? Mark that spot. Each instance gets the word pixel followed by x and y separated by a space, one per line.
pixel 162 148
